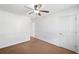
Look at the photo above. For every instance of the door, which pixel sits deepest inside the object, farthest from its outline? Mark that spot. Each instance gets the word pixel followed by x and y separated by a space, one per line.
pixel 67 32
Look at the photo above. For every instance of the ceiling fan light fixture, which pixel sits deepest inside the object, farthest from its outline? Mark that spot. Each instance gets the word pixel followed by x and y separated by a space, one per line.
pixel 36 11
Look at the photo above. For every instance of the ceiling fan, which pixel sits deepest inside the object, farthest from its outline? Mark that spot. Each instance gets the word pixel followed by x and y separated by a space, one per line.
pixel 37 9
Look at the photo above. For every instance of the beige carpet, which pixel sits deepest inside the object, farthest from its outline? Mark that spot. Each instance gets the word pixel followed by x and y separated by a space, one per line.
pixel 35 46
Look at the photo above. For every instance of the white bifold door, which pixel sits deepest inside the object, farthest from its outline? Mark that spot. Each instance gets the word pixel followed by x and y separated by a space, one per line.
pixel 67 30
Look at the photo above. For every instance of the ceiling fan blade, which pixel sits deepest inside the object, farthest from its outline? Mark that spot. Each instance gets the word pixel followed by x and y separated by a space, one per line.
pixel 39 14
pixel 28 7
pixel 44 11
pixel 31 12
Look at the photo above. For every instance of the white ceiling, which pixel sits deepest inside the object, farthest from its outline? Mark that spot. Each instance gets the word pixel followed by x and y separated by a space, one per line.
pixel 13 8
pixel 19 8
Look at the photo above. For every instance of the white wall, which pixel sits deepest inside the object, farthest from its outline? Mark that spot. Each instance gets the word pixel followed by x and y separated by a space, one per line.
pixel 58 28
pixel 78 32
pixel 13 29
pixel 33 29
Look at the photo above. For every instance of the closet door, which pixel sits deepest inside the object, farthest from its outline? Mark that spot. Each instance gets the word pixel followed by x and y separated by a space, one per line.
pixel 67 32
